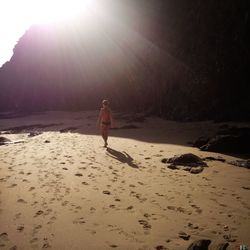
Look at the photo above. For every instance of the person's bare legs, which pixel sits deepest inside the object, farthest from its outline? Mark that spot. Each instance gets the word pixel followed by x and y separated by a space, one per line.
pixel 104 133
pixel 105 137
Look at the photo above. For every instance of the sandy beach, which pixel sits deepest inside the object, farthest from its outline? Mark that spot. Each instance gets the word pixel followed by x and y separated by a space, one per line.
pixel 64 190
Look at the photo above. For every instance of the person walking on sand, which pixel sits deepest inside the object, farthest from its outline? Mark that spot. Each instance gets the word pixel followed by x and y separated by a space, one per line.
pixel 105 121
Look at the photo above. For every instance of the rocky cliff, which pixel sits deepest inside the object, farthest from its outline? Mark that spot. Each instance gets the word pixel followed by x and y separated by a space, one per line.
pixel 183 60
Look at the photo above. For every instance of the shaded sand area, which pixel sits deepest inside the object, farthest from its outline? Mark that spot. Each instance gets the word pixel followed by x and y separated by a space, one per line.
pixel 64 190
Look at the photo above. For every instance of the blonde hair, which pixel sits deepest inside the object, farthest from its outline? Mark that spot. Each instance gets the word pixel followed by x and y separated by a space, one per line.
pixel 105 102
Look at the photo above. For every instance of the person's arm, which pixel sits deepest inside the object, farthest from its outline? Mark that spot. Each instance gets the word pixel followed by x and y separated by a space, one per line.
pixel 112 125
pixel 99 118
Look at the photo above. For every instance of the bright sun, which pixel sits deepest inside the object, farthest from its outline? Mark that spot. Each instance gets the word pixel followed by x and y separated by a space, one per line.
pixel 16 16
pixel 47 11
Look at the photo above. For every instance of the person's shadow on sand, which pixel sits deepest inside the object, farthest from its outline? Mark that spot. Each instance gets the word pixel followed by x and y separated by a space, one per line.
pixel 122 157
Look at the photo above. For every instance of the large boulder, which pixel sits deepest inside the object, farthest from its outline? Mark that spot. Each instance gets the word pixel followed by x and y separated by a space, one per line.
pixel 227 140
pixel 188 162
pixel 201 141
pixel 238 144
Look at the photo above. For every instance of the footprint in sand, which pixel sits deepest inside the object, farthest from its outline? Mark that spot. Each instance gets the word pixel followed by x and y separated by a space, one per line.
pixel 65 203
pixel 31 188
pixel 92 210
pixel 48 211
pixel 52 220
pixel 21 201
pixel 82 168
pixel 78 174
pixel 113 246
pixel 37 227
pixel 4 237
pixel 179 209
pixel 141 183
pixel 159 194
pixel 191 226
pixel 2 180
pixel 160 247
pixel 39 212
pixel 34 203
pixel 146 215
pixel 20 228
pixel 33 240
pixel 11 169
pixel 79 221
pixel 17 216
pixel 145 224
pixel 46 245
pixel 198 210
pixel 138 196
pixel 106 192
pixel 12 185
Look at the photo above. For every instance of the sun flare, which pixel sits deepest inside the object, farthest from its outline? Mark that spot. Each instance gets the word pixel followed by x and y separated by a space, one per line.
pixel 16 16
pixel 47 11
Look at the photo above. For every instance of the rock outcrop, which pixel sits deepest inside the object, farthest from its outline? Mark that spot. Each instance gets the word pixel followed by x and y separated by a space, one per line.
pixel 227 140
pixel 143 57
pixel 188 162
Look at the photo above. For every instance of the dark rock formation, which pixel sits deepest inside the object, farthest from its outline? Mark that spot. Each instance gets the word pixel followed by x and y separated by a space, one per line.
pixel 196 170
pixel 228 144
pixel 222 246
pixel 187 162
pixel 241 163
pixel 129 126
pixel 210 158
pixel 201 141
pixel 6 141
pixel 69 129
pixel 32 134
pixel 236 131
pixel 27 128
pixel 204 245
pixel 190 160
pixel 227 140
pixel 143 57
pixel 199 245
pixel 3 140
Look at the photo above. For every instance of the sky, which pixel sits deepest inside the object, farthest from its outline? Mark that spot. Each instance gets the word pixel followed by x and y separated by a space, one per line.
pixel 16 16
